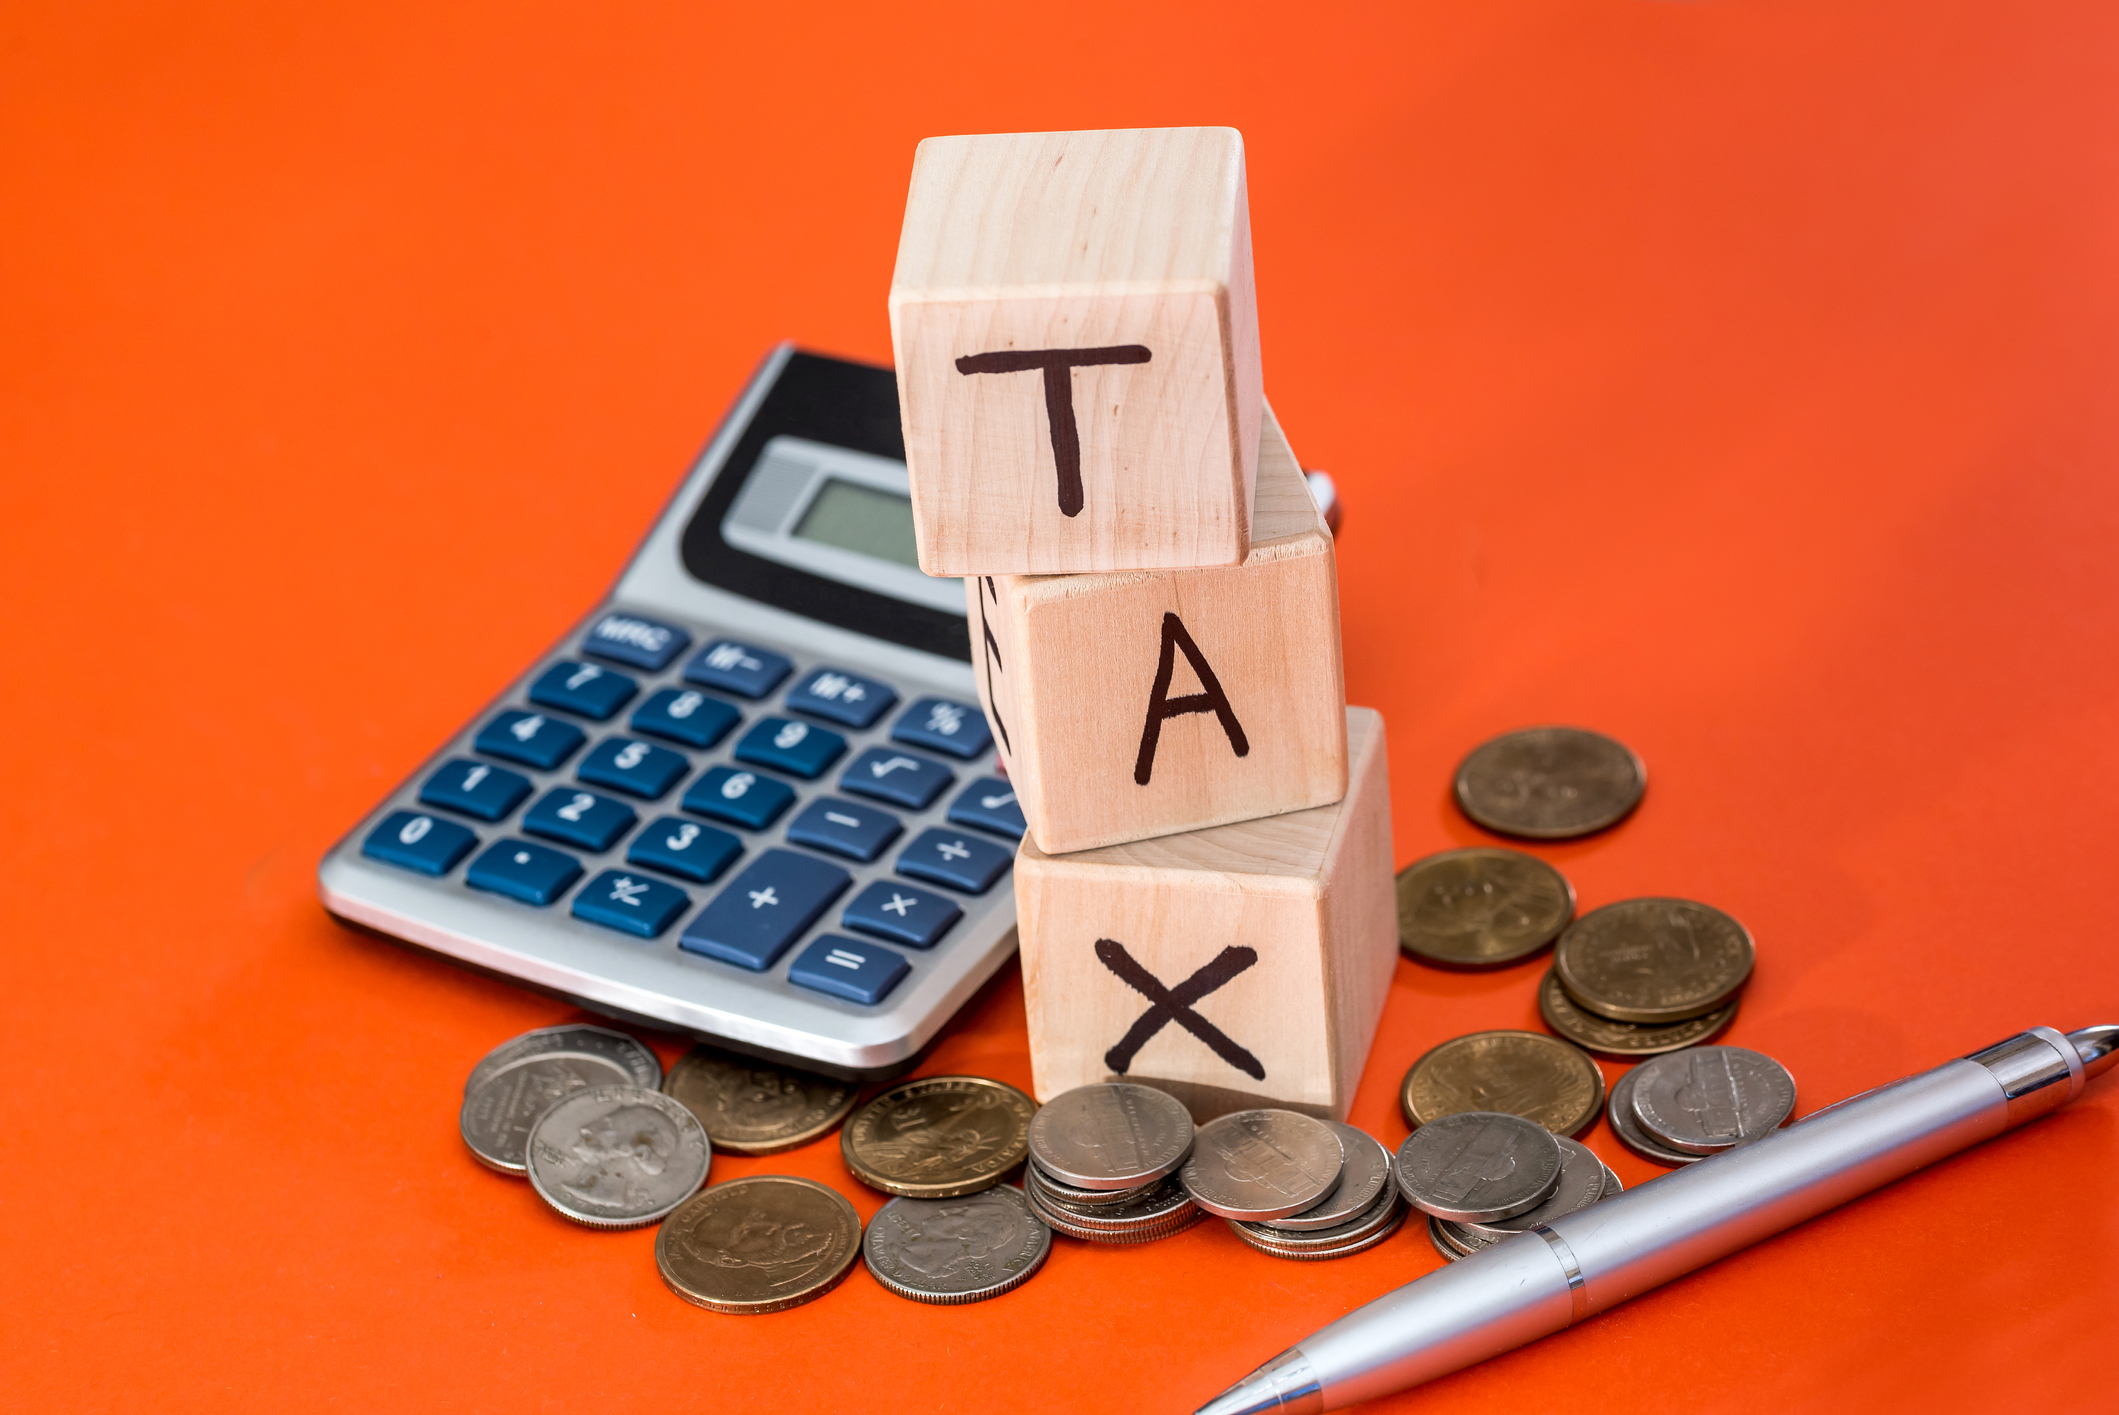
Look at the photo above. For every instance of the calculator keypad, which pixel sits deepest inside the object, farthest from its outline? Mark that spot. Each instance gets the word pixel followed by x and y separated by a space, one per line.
pixel 710 875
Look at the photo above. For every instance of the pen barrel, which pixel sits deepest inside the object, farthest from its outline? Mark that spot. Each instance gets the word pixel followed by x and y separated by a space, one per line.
pixel 1539 1282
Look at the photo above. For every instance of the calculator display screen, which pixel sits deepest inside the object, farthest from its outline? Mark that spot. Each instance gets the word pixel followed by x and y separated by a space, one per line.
pixel 861 519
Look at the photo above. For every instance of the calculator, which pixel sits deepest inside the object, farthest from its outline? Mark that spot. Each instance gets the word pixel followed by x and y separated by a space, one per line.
pixel 749 797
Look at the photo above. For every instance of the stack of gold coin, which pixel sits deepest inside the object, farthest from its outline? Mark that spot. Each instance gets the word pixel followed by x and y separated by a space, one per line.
pixel 938 1137
pixel 1643 977
pixel 1101 1160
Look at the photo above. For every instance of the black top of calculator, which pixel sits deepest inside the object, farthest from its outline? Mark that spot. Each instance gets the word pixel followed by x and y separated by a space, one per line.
pixel 849 405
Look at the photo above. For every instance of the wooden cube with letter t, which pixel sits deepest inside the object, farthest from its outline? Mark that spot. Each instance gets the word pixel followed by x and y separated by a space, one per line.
pixel 1077 351
pixel 1131 705
pixel 1239 966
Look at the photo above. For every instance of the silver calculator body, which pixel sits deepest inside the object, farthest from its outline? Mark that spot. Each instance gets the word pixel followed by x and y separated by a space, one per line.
pixel 791 535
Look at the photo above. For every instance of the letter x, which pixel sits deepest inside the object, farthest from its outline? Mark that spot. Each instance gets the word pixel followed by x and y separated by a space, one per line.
pixel 1058 366
pixel 1166 1005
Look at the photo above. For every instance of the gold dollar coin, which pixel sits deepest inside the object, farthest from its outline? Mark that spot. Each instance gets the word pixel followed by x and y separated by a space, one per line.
pixel 761 1244
pixel 1529 1074
pixel 753 1107
pixel 1481 907
pixel 1586 1029
pixel 1653 960
pixel 938 1137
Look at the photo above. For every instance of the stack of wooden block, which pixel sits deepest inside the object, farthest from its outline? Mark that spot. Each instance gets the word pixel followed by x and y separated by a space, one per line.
pixel 1205 889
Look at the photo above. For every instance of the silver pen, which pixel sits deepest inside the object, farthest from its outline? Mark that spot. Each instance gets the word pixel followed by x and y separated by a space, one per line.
pixel 1555 1275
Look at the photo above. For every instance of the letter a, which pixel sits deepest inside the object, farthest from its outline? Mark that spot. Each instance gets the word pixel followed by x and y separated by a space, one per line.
pixel 1162 706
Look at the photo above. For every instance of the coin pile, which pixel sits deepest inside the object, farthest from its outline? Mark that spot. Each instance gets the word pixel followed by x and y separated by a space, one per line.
pixel 1584 1180
pixel 1643 977
pixel 1292 1186
pixel 1687 1105
pixel 1482 1176
pixel 1103 1160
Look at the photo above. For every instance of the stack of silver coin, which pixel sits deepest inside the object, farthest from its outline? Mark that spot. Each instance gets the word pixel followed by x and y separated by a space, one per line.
pixel 1292 1186
pixel 577 1111
pixel 1684 1106
pixel 1481 1176
pixel 1102 1161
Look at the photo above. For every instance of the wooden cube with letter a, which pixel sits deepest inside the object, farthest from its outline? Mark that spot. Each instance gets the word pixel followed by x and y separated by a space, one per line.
pixel 1131 705
pixel 1077 351
pixel 1239 966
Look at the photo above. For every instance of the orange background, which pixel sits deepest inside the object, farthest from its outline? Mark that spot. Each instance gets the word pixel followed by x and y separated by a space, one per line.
pixel 1736 378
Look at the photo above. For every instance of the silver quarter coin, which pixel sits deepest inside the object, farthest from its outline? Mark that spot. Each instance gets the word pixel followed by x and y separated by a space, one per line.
pixel 641 1067
pixel 1627 1125
pixel 1365 1174
pixel 1060 1190
pixel 952 1251
pixel 1550 783
pixel 1581 1184
pixel 618 1156
pixel 1709 1099
pixel 496 1117
pixel 1263 1164
pixel 1111 1136
pixel 1478 1165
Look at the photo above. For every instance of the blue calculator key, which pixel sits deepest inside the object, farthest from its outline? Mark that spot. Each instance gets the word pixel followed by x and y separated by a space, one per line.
pixel 845 967
pixel 753 920
pixel 842 828
pixel 582 688
pixel 790 746
pixel 475 788
pixel 641 643
pixel 414 840
pixel 897 777
pixel 901 913
pixel 958 729
pixel 630 904
pixel 967 862
pixel 535 874
pixel 989 804
pixel 684 848
pixel 739 797
pixel 685 715
pixel 580 818
pixel 637 768
pixel 842 697
pixel 742 669
pixel 530 738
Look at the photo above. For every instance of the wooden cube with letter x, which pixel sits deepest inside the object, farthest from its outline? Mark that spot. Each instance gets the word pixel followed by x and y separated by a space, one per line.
pixel 1077 351
pixel 1131 705
pixel 1239 966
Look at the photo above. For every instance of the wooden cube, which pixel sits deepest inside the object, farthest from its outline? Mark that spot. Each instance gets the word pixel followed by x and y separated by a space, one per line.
pixel 1240 966
pixel 1077 351
pixel 1131 705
